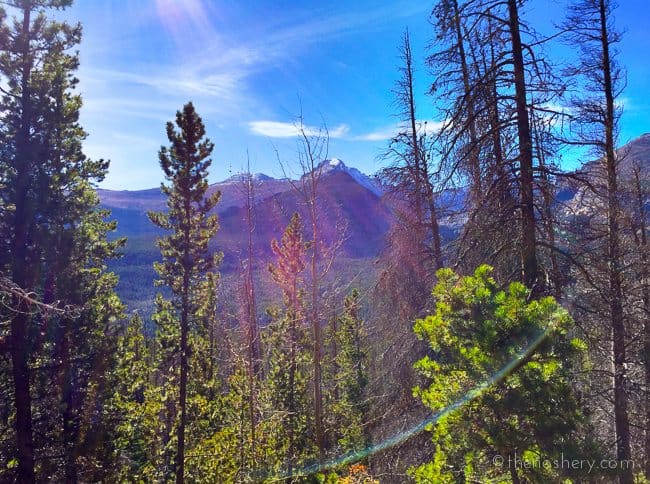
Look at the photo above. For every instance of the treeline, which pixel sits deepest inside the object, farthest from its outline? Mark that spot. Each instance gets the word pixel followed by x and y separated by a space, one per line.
pixel 88 396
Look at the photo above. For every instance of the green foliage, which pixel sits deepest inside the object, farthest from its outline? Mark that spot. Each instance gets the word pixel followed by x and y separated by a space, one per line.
pixel 187 270
pixel 135 423
pixel 288 380
pixel 288 355
pixel 185 164
pixel 346 377
pixel 512 361
pixel 55 246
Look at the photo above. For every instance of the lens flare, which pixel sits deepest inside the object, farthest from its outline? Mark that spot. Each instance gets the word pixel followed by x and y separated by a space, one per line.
pixel 402 437
pixel 186 21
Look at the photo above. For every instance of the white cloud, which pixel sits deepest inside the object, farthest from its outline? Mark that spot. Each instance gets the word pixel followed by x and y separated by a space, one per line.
pixel 278 129
pixel 380 134
pixel 217 84
pixel 214 64
pixel 624 103
pixel 388 132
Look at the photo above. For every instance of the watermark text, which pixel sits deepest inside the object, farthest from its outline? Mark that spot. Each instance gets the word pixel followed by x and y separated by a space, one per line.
pixel 562 462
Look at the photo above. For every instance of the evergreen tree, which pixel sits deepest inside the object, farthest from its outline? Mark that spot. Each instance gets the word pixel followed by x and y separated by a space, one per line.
pixel 53 246
pixel 348 374
pixel 80 346
pixel 205 389
pixel 287 342
pixel 134 427
pixel 166 383
pixel 186 256
pixel 510 363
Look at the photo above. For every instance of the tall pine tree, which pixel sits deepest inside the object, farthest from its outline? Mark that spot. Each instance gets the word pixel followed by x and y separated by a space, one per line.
pixel 53 246
pixel 186 256
pixel 287 343
pixel 593 34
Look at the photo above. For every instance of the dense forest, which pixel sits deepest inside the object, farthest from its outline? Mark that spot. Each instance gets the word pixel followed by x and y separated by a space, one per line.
pixel 500 333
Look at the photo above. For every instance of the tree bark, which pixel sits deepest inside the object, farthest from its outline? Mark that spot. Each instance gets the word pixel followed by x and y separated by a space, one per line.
pixel 185 310
pixel 20 272
pixel 254 353
pixel 527 206
pixel 623 448
pixel 474 162
pixel 547 210
pixel 421 174
pixel 318 393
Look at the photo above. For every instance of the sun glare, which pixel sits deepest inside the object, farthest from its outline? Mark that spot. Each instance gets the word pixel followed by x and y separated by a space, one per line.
pixel 185 20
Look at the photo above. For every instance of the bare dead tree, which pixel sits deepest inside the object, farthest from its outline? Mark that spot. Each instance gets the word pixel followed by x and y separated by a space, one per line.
pixel 250 322
pixel 596 119
pixel 408 177
pixel 489 79
pixel 312 152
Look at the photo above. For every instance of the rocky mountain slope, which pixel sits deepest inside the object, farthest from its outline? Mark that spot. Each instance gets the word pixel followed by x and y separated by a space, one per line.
pixel 352 214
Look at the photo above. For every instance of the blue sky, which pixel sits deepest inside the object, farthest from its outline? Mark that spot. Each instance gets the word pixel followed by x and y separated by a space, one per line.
pixel 251 67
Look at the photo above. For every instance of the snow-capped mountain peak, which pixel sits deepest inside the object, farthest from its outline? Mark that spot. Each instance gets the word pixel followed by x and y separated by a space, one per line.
pixel 332 164
pixel 336 164
pixel 240 177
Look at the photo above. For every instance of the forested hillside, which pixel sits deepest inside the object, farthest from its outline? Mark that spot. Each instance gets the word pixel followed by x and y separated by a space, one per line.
pixel 476 311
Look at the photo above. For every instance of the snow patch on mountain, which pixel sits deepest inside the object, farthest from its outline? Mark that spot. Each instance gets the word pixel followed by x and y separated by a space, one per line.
pixel 240 177
pixel 326 166
pixel 336 164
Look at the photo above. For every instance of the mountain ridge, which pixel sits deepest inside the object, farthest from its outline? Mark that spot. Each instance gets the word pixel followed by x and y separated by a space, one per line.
pixel 353 212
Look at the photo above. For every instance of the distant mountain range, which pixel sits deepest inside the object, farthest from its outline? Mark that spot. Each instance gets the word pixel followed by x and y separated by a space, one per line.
pixel 350 208
pixel 577 198
pixel 352 212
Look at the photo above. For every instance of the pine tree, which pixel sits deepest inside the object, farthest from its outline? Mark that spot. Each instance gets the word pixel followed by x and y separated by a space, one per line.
pixel 186 255
pixel 287 342
pixel 81 347
pixel 54 246
pixel 348 374
pixel 131 403
pixel 205 388
pixel 165 353
pixel 596 116
pixel 500 377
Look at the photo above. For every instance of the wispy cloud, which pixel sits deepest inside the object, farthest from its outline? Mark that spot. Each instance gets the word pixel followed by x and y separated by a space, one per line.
pixel 380 134
pixel 388 132
pixel 215 64
pixel 216 84
pixel 278 129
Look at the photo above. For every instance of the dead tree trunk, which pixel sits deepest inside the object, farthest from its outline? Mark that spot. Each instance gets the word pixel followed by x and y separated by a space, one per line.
pixel 527 203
